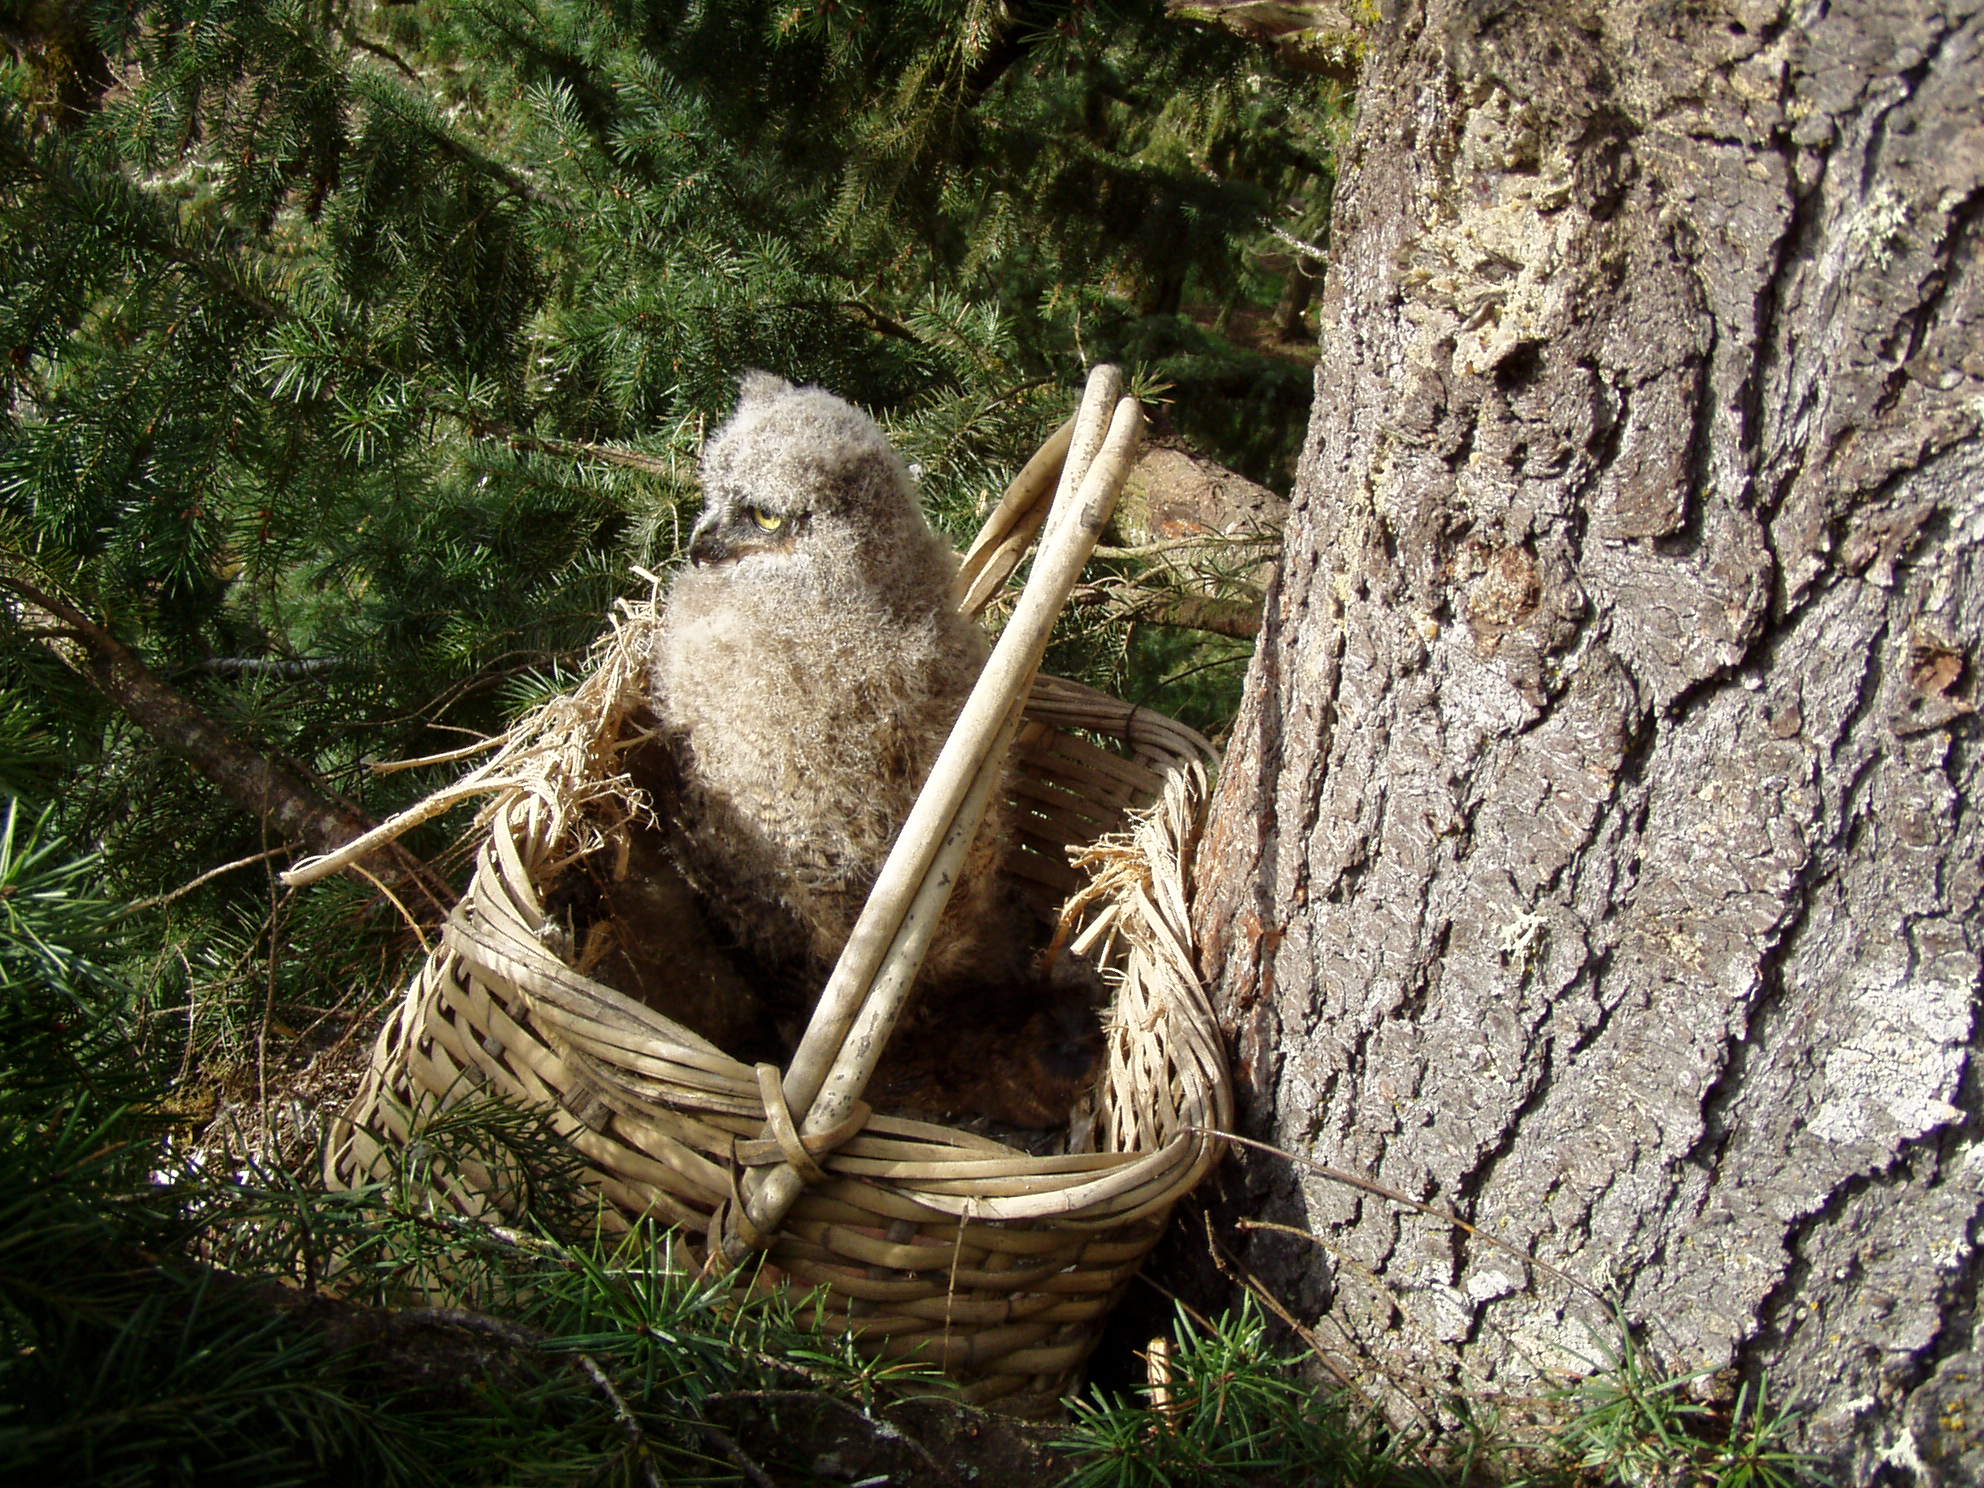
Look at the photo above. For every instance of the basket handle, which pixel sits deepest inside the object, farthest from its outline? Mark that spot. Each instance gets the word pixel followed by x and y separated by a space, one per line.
pixel 1004 536
pixel 870 984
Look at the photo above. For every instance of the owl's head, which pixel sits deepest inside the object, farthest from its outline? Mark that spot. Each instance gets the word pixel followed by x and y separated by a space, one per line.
pixel 799 474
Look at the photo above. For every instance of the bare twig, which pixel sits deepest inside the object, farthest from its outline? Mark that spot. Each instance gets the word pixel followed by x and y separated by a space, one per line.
pixel 514 1334
pixel 384 53
pixel 1234 1271
pixel 1355 1180
pixel 879 1429
pixel 267 666
pixel 159 900
pixel 1199 544
pixel 571 449
pixel 530 1340
pixel 266 787
pixel 1307 250
pixel 638 1438
pixel 739 1458
pixel 1239 619
pixel 1378 1284
pixel 482 745
pixel 426 946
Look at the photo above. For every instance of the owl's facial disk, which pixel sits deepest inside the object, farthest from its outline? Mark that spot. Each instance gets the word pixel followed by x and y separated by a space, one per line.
pixel 736 530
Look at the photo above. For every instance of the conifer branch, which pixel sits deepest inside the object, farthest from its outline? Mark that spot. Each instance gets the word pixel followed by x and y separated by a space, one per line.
pixel 1238 618
pixel 387 96
pixel 383 53
pixel 266 788
pixel 267 666
pixel 571 449
pixel 146 226
pixel 870 317
pixel 159 901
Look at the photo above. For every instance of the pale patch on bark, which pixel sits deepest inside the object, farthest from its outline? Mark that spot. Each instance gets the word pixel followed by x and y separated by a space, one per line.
pixel 1894 1069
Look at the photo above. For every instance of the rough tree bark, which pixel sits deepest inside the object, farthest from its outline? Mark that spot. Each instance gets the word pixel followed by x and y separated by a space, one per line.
pixel 1598 854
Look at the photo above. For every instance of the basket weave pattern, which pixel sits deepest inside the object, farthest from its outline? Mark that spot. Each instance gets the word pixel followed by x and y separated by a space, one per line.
pixel 925 1240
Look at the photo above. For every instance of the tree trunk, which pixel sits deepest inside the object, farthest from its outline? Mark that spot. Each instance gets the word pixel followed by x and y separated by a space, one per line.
pixel 1598 853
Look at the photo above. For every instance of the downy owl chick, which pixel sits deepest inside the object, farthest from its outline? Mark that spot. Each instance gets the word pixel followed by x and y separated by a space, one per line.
pixel 810 668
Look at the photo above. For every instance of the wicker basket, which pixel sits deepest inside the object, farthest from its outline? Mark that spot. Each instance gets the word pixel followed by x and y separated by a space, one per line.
pixel 926 1241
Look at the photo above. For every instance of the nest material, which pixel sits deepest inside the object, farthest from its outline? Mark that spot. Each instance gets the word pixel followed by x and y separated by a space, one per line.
pixel 925 1240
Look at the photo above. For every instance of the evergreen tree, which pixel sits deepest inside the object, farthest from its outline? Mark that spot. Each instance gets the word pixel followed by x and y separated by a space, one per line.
pixel 357 353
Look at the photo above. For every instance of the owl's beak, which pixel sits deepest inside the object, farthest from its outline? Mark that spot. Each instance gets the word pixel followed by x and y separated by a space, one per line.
pixel 708 545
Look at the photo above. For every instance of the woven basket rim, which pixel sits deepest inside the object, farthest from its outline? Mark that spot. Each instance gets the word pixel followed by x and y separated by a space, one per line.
pixel 552 780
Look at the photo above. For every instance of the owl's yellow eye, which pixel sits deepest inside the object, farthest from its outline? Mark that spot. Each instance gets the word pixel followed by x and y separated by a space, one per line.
pixel 767 521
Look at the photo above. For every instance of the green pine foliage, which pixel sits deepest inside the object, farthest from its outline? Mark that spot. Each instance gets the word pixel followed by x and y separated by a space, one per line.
pixel 1231 1409
pixel 355 355
pixel 358 352
pixel 164 1324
